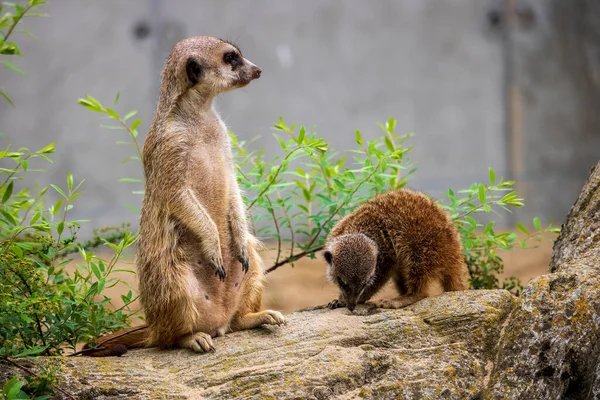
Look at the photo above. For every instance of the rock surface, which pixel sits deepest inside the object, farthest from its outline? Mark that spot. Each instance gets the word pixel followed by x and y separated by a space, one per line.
pixel 483 344
pixel 437 348
pixel 550 348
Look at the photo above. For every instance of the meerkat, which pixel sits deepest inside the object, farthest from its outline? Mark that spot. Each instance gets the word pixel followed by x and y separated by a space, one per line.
pixel 200 274
pixel 403 235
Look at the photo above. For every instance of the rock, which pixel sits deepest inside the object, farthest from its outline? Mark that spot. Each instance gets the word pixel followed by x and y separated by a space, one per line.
pixel 550 347
pixel 437 348
pixel 580 234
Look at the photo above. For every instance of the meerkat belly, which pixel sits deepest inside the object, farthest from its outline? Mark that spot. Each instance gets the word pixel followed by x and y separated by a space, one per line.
pixel 216 301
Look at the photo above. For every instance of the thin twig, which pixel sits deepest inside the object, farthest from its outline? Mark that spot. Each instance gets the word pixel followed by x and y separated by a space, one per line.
pixel 16 21
pixel 293 258
pixel 135 141
pixel 287 216
pixel 30 372
pixel 276 228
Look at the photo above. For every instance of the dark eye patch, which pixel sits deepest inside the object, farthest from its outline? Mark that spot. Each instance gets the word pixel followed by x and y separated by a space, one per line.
pixel 232 58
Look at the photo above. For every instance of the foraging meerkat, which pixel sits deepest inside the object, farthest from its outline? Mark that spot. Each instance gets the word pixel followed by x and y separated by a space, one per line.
pixel 199 271
pixel 403 235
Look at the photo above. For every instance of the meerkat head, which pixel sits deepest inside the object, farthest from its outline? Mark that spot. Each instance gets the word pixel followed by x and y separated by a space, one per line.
pixel 351 263
pixel 208 65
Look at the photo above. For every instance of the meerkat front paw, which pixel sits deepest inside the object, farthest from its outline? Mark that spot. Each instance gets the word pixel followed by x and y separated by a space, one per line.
pixel 337 303
pixel 244 259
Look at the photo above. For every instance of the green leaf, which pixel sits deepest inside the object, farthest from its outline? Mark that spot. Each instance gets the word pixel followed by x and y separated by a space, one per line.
pixel 117 97
pixel 301 135
pixel 48 149
pixel 7 192
pixel 536 223
pixel 112 113
pixel 9 65
pixel 59 190
pixel 95 270
pixel 8 217
pixel 522 228
pixel 359 139
pixel 388 143
pixel 130 180
pixel 60 227
pixel 492 177
pixel 12 388
pixel 3 94
pixel 481 193
pixel 391 125
pixel 69 181
pixel 136 123
pixel 129 115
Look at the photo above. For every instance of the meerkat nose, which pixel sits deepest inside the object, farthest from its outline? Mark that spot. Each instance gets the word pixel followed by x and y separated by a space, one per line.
pixel 256 73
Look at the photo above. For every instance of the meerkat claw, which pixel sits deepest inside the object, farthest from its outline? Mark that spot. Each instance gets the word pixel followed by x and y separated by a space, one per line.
pixel 219 270
pixel 245 262
pixel 335 304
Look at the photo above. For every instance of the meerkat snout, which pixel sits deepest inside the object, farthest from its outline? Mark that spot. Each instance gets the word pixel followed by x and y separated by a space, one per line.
pixel 351 263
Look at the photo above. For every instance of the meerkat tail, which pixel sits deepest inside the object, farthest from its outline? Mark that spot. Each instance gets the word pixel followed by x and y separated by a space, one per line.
pixel 117 344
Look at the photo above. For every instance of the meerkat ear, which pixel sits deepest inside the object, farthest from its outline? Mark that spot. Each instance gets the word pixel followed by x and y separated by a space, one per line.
pixel 328 256
pixel 194 71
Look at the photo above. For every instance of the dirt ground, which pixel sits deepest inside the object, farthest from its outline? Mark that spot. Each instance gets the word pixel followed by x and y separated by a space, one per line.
pixel 289 289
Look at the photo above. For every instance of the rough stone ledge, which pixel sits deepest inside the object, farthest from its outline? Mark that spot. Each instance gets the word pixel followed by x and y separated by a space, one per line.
pixel 437 348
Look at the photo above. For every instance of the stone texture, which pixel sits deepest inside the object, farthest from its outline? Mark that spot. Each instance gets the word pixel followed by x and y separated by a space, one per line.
pixel 550 348
pixel 580 234
pixel 437 348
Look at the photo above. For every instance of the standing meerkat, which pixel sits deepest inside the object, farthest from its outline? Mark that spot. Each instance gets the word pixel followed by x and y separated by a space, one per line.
pixel 199 271
pixel 403 235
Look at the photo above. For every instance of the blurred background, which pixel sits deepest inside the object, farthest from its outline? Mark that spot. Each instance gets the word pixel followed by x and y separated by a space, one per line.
pixel 508 84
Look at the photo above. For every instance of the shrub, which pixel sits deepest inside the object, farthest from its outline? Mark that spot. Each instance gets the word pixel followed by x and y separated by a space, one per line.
pixel 44 309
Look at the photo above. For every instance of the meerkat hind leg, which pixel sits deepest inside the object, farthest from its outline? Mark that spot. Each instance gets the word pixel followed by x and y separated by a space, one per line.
pixel 200 342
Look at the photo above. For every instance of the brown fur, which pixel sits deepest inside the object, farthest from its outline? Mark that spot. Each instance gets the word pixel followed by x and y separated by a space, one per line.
pixel 194 245
pixel 402 235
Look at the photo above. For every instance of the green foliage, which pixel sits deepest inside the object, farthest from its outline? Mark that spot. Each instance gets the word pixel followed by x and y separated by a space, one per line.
pixel 44 307
pixel 481 243
pixel 10 16
pixel 307 199
pixel 36 386
pixel 12 390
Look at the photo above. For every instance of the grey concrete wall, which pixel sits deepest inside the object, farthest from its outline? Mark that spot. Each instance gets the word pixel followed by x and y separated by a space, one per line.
pixel 438 66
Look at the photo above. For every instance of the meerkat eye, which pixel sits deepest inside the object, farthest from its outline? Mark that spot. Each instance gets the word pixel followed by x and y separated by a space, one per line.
pixel 232 58
pixel 328 257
